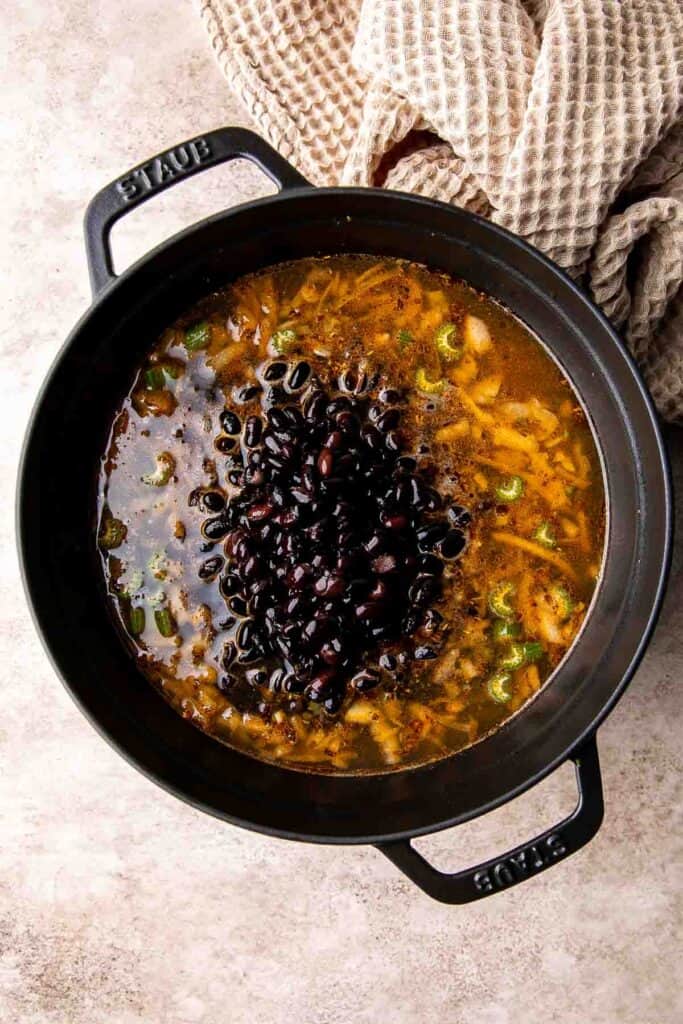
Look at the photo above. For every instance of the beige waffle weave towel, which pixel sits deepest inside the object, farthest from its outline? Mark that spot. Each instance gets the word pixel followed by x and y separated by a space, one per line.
pixel 562 120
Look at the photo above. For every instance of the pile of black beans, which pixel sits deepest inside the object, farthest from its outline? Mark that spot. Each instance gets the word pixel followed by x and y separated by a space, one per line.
pixel 334 540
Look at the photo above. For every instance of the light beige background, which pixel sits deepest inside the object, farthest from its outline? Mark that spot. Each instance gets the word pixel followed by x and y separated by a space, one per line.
pixel 119 904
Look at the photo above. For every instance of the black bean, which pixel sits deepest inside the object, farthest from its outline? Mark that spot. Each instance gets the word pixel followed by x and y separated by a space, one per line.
pixel 246 633
pixel 210 568
pixel 293 417
pixel 230 422
pixel 249 655
pixel 320 686
pixel 331 651
pixel 288 517
pixel 337 405
pixel 212 501
pixel 278 420
pixel 279 445
pixel 302 495
pixel 432 500
pixel 429 536
pixel 315 631
pixel 370 611
pixel 432 620
pixel 238 605
pixel 261 511
pixel 423 652
pixel 430 564
pixel 459 516
pixel 252 569
pixel 347 422
pixel 411 622
pixel 314 409
pixel 295 605
pixel 297 577
pixel 229 654
pixel 452 545
pixel 389 396
pixel 276 679
pixel 275 395
pixel 299 376
pixel 252 431
pixel 224 444
pixel 259 603
pixel 377 543
pixel 405 464
pixel 275 371
pixel 388 420
pixel 330 585
pixel 325 462
pixel 347 381
pixel 215 529
pixel 366 680
pixel 247 393
pixel 334 440
pixel 397 521
pixel 334 698
pixel 423 590
pixel 278 496
pixel 254 476
pixel 226 684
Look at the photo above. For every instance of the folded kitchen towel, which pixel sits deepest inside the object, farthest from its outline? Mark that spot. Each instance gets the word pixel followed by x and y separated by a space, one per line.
pixel 561 120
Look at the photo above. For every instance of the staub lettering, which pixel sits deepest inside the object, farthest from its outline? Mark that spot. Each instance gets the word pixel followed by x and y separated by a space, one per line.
pixel 520 865
pixel 173 163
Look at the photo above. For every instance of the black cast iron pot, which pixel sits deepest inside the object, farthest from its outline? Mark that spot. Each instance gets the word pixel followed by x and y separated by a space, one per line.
pixel 68 433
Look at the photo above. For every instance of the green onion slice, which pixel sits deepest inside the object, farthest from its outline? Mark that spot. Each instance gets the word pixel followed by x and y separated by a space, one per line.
pixel 165 622
pixel 498 687
pixel 136 620
pixel 533 651
pixel 154 378
pixel 503 630
pixel 429 387
pixel 510 489
pixel 544 535
pixel 513 658
pixel 445 339
pixel 500 600
pixel 198 336
pixel 563 606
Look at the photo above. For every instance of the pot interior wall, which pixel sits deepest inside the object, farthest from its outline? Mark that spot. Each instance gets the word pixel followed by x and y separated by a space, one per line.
pixel 69 433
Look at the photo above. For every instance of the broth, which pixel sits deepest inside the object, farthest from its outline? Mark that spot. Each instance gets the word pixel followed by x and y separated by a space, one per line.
pixel 237 543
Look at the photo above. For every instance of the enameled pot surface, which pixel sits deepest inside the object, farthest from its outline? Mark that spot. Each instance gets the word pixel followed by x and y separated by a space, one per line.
pixel 67 436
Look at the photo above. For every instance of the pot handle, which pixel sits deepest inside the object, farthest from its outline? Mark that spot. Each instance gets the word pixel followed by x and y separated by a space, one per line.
pixel 519 864
pixel 175 164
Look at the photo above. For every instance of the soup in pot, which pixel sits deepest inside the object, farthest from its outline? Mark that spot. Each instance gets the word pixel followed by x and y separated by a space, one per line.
pixel 351 514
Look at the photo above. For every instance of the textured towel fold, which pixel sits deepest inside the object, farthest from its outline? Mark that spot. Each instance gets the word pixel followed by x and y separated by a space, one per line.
pixel 561 120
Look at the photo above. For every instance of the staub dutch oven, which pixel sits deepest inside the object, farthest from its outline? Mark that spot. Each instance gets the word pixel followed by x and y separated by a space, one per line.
pixel 56 514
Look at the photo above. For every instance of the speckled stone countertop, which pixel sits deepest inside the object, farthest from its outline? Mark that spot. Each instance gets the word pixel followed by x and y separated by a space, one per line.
pixel 121 905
